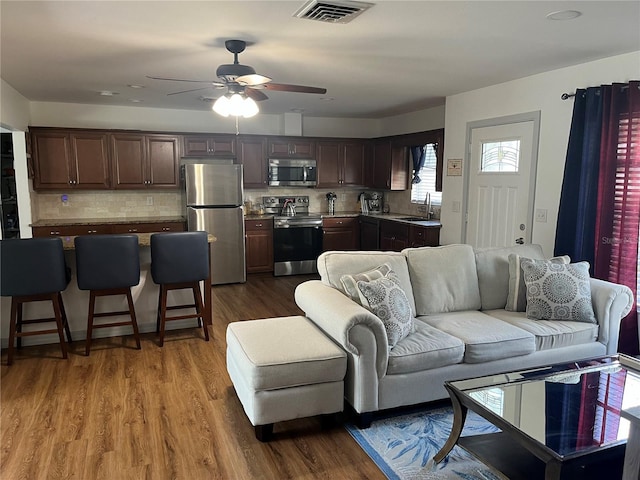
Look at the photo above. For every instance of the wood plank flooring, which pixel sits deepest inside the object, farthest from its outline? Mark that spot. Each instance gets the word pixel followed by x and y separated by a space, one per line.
pixel 160 413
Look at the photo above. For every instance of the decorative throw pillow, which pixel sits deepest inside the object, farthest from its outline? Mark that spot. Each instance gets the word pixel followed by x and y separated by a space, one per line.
pixel 517 297
pixel 557 291
pixel 385 299
pixel 350 282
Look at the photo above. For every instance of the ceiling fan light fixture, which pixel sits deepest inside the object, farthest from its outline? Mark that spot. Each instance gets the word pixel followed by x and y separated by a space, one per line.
pixel 236 105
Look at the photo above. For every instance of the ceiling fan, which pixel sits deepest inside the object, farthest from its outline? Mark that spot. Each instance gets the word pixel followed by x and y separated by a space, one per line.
pixel 242 79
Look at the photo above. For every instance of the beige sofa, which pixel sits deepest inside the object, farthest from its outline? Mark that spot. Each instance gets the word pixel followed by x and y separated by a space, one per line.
pixel 461 328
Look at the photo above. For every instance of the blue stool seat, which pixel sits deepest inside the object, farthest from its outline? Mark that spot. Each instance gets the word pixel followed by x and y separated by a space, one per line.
pixel 179 260
pixel 33 270
pixel 108 265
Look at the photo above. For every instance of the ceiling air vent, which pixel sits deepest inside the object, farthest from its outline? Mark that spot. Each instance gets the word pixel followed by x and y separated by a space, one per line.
pixel 332 12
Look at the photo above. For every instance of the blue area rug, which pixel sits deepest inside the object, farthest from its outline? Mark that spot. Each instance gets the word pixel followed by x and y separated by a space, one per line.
pixel 403 446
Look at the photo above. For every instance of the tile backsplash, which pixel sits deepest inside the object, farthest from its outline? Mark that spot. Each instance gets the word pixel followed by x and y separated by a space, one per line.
pixel 106 204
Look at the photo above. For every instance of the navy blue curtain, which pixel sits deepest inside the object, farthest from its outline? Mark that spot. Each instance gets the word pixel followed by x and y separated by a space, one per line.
pixel 418 155
pixel 575 231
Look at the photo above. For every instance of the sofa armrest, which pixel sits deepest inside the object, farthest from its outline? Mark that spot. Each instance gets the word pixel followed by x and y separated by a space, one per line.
pixel 611 303
pixel 359 332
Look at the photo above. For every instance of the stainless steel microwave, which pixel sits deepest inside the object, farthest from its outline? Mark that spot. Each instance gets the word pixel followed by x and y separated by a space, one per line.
pixel 292 173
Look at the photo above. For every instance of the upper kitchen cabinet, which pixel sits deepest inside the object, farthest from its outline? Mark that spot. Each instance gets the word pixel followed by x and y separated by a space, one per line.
pixel 66 159
pixel 145 161
pixel 252 154
pixel 390 166
pixel 341 163
pixel 223 146
pixel 291 147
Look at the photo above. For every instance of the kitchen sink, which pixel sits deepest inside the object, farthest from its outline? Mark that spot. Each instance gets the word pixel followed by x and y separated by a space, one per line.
pixel 413 219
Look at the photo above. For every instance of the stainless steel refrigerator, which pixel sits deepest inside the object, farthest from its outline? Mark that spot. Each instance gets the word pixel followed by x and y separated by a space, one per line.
pixel 214 198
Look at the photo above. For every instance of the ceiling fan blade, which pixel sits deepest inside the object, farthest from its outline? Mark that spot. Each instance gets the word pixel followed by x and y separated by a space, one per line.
pixel 252 79
pixel 282 87
pixel 190 90
pixel 185 80
pixel 257 95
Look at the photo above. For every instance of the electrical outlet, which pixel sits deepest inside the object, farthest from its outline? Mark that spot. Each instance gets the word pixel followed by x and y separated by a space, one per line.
pixel 149 201
pixel 455 206
pixel 541 215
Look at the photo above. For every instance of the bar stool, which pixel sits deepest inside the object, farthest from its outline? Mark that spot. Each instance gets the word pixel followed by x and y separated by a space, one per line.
pixel 108 265
pixel 179 260
pixel 34 270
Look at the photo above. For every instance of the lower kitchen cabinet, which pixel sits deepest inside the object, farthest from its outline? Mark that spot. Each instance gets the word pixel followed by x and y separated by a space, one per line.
pixel 394 236
pixel 107 228
pixel 259 245
pixel 161 227
pixel 340 233
pixel 424 236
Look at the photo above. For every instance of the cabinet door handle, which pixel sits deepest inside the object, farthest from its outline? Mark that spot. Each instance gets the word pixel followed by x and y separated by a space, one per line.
pixel 166 229
pixel 54 233
pixel 258 224
pixel 92 231
pixel 133 230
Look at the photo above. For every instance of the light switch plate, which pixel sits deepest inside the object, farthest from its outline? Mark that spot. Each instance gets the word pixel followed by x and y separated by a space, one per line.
pixel 455 207
pixel 541 215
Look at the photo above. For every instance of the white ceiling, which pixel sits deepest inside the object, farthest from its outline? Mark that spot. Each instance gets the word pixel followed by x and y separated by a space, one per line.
pixel 397 57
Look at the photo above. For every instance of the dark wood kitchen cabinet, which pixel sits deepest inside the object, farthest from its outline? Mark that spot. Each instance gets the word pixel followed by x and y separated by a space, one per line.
pixel 340 233
pixel 210 146
pixel 420 236
pixel 341 163
pixel 145 161
pixel 259 245
pixel 394 236
pixel 66 159
pixel 390 166
pixel 252 154
pixel 291 147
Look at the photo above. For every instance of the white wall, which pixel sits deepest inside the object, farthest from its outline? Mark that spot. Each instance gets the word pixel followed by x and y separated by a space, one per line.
pixel 14 108
pixel 421 121
pixel 539 92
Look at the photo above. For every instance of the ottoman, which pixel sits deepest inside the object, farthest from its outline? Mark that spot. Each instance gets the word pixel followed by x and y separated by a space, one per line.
pixel 284 368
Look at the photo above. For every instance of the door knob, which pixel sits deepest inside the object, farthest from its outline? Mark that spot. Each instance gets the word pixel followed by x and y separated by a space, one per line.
pixel 520 241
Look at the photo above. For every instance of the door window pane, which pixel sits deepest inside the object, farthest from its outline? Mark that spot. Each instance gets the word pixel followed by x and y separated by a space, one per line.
pixel 500 156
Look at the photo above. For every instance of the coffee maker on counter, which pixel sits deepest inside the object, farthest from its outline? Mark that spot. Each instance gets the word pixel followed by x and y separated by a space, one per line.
pixel 371 202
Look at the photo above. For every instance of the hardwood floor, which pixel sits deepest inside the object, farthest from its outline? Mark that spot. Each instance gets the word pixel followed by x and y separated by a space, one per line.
pixel 160 413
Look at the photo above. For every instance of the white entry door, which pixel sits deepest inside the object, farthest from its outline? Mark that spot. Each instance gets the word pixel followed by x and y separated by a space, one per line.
pixel 502 167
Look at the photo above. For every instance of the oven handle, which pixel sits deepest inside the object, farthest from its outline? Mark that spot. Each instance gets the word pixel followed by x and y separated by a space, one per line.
pixel 297 226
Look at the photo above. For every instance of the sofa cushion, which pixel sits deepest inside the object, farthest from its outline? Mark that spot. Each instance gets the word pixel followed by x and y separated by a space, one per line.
pixel 386 300
pixel 425 348
pixel 493 272
pixel 485 338
pixel 550 333
pixel 517 298
pixel 333 265
pixel 557 291
pixel 444 279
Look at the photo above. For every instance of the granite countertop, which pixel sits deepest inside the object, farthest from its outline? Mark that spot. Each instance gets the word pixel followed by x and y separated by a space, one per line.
pixel 398 217
pixel 104 221
pixel 144 240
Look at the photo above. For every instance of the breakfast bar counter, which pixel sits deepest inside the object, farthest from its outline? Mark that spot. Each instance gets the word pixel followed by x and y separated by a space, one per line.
pixel 76 301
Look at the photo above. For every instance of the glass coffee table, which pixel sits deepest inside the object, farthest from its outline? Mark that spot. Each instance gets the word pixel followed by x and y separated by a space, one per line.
pixel 558 422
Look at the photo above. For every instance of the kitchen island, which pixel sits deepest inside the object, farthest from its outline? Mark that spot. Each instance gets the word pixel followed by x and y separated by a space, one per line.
pixel 76 301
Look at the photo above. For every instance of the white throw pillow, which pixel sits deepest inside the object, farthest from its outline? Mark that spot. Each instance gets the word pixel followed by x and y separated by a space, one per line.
pixel 557 291
pixel 385 299
pixel 517 297
pixel 350 282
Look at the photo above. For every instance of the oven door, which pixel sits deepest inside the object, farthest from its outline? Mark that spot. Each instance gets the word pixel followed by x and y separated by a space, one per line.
pixel 296 249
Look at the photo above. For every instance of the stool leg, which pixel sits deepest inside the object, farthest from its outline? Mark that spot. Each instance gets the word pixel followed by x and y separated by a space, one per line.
pixel 19 325
pixel 195 302
pixel 65 320
pixel 92 302
pixel 159 308
pixel 163 312
pixel 12 329
pixel 58 315
pixel 200 308
pixel 134 323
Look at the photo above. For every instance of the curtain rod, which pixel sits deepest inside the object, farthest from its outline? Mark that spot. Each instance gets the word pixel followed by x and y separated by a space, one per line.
pixel 566 96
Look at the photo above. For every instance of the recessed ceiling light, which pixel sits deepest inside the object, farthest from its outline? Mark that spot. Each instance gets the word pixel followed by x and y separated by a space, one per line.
pixel 134 100
pixel 107 93
pixel 564 15
pixel 135 86
pixel 297 110
pixel 327 99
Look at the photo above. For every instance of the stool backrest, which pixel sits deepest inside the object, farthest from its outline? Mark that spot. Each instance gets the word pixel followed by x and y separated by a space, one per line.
pixel 107 261
pixel 32 266
pixel 179 257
